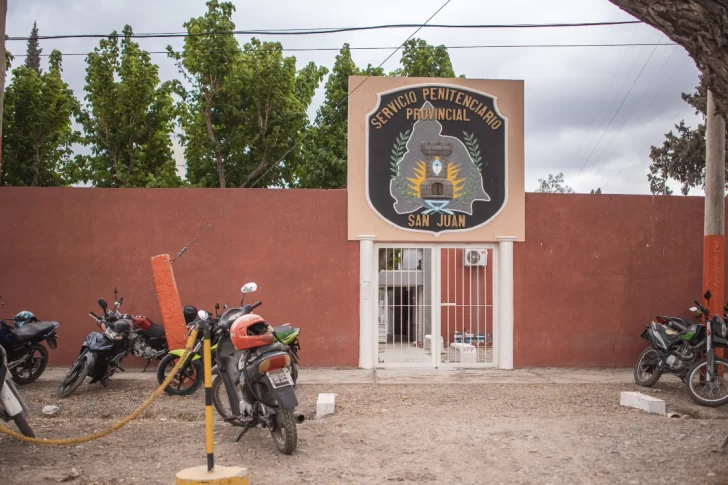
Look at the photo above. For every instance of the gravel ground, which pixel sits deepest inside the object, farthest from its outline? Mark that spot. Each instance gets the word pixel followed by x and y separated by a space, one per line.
pixel 411 434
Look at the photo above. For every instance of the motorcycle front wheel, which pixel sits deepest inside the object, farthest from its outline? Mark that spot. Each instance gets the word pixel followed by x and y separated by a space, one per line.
pixel 30 371
pixel 704 392
pixel 184 383
pixel 647 370
pixel 74 377
pixel 284 433
pixel 220 398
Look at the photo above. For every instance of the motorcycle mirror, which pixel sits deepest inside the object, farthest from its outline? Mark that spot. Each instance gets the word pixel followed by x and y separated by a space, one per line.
pixel 103 304
pixel 248 288
pixel 707 295
pixel 225 306
pixel 217 306
pixel 693 309
pixel 202 314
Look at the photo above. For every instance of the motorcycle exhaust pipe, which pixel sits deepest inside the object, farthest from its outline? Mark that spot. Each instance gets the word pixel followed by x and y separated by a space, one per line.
pixel 299 417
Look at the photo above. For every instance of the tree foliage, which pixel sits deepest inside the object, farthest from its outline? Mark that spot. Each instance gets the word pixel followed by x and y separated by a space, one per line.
pixel 554 185
pixel 420 59
pixel 37 129
pixel 681 156
pixel 32 58
pixel 128 118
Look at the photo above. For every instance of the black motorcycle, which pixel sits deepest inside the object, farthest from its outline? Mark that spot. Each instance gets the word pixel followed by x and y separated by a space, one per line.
pixel 675 345
pixel 27 357
pixel 257 379
pixel 12 405
pixel 102 352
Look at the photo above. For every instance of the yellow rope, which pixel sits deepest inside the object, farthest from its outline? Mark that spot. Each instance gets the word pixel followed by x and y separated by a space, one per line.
pixel 114 427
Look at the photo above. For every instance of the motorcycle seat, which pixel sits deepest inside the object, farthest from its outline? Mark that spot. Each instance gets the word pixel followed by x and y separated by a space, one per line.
pixel 155 331
pixel 274 347
pixel 283 329
pixel 31 331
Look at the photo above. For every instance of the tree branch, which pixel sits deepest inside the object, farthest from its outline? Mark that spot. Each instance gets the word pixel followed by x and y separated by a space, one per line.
pixel 700 26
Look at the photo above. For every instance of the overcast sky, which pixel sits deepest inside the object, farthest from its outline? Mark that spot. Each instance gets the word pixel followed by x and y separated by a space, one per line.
pixel 572 94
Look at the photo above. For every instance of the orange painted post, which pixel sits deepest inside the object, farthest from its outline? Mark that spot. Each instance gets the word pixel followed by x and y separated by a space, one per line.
pixel 169 302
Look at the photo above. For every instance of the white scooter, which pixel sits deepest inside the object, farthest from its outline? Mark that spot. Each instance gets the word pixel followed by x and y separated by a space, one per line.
pixel 12 405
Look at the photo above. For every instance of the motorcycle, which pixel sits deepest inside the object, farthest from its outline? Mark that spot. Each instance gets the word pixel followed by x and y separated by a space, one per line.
pixel 257 371
pixel 674 347
pixel 149 341
pixel 102 352
pixel 705 374
pixel 12 405
pixel 27 358
pixel 190 376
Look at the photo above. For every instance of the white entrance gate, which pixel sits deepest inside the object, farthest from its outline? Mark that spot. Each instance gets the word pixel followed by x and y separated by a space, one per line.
pixel 435 306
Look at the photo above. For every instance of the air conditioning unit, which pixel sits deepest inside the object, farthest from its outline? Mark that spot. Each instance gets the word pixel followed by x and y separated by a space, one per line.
pixel 475 257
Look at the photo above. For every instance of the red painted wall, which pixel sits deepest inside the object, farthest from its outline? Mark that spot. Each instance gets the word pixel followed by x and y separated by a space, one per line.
pixel 596 268
pixel 64 248
pixel 593 271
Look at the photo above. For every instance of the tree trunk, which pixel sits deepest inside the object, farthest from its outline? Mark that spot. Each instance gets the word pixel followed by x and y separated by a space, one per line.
pixel 256 171
pixel 36 168
pixel 700 26
pixel 215 143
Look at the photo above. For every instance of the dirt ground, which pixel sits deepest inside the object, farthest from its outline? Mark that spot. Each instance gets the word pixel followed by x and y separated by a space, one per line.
pixel 410 434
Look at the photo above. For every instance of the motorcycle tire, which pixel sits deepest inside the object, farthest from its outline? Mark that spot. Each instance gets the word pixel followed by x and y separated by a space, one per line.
pixel 34 374
pixel 22 423
pixel 285 434
pixel 656 373
pixel 220 398
pixel 65 390
pixel 702 364
pixel 196 376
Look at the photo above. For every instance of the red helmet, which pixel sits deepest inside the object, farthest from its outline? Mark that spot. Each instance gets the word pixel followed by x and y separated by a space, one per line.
pixel 250 331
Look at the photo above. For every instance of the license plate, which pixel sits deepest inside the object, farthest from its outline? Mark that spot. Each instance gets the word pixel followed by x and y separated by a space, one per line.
pixel 280 378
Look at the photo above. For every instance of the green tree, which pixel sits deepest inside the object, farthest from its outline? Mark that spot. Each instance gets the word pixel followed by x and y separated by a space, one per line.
pixel 597 191
pixel 247 106
pixel 37 127
pixel 681 156
pixel 128 118
pixel 325 150
pixel 420 59
pixel 554 185
pixel 32 59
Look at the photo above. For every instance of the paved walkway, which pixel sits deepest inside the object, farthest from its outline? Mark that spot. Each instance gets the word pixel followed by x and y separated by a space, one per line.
pixel 417 376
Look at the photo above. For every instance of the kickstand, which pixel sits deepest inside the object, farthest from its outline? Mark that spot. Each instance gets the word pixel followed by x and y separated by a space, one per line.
pixel 103 382
pixel 245 430
pixel 145 367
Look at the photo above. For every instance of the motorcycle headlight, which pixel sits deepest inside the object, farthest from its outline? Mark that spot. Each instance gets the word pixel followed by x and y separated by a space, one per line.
pixel 111 335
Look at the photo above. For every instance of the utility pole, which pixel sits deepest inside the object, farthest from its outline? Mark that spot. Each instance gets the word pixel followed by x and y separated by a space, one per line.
pixel 3 63
pixel 713 255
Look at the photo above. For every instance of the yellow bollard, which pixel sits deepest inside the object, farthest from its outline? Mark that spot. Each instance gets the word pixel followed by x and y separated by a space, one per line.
pixel 211 475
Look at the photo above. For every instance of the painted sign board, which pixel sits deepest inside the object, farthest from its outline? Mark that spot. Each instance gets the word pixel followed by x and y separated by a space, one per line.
pixel 435 158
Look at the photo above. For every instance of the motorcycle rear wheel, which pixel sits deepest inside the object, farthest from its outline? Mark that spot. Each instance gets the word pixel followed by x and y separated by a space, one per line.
pixel 193 376
pixel 34 373
pixel 220 398
pixel 285 434
pixel 22 423
pixel 74 377
pixel 654 371
pixel 690 385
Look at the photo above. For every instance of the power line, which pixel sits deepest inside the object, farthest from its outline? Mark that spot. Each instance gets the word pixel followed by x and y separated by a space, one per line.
pixel 375 48
pixel 585 146
pixel 235 202
pixel 616 112
pixel 333 30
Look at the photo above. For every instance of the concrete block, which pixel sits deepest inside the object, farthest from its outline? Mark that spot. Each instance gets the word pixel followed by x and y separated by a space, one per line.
pixel 642 401
pixel 325 405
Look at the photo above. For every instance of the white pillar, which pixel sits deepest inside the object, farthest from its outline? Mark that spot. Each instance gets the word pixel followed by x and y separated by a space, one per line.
pixel 366 305
pixel 505 302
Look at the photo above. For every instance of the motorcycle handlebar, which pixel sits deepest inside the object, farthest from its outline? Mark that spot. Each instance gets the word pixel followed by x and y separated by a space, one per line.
pixel 256 305
pixel 94 315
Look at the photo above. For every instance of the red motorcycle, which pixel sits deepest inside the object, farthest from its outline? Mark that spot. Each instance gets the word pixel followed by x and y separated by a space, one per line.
pixel 149 342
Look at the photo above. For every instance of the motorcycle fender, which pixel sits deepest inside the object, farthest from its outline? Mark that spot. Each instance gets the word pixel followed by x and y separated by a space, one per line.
pixel 180 352
pixel 646 334
pixel 285 396
pixel 11 401
pixel 215 371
